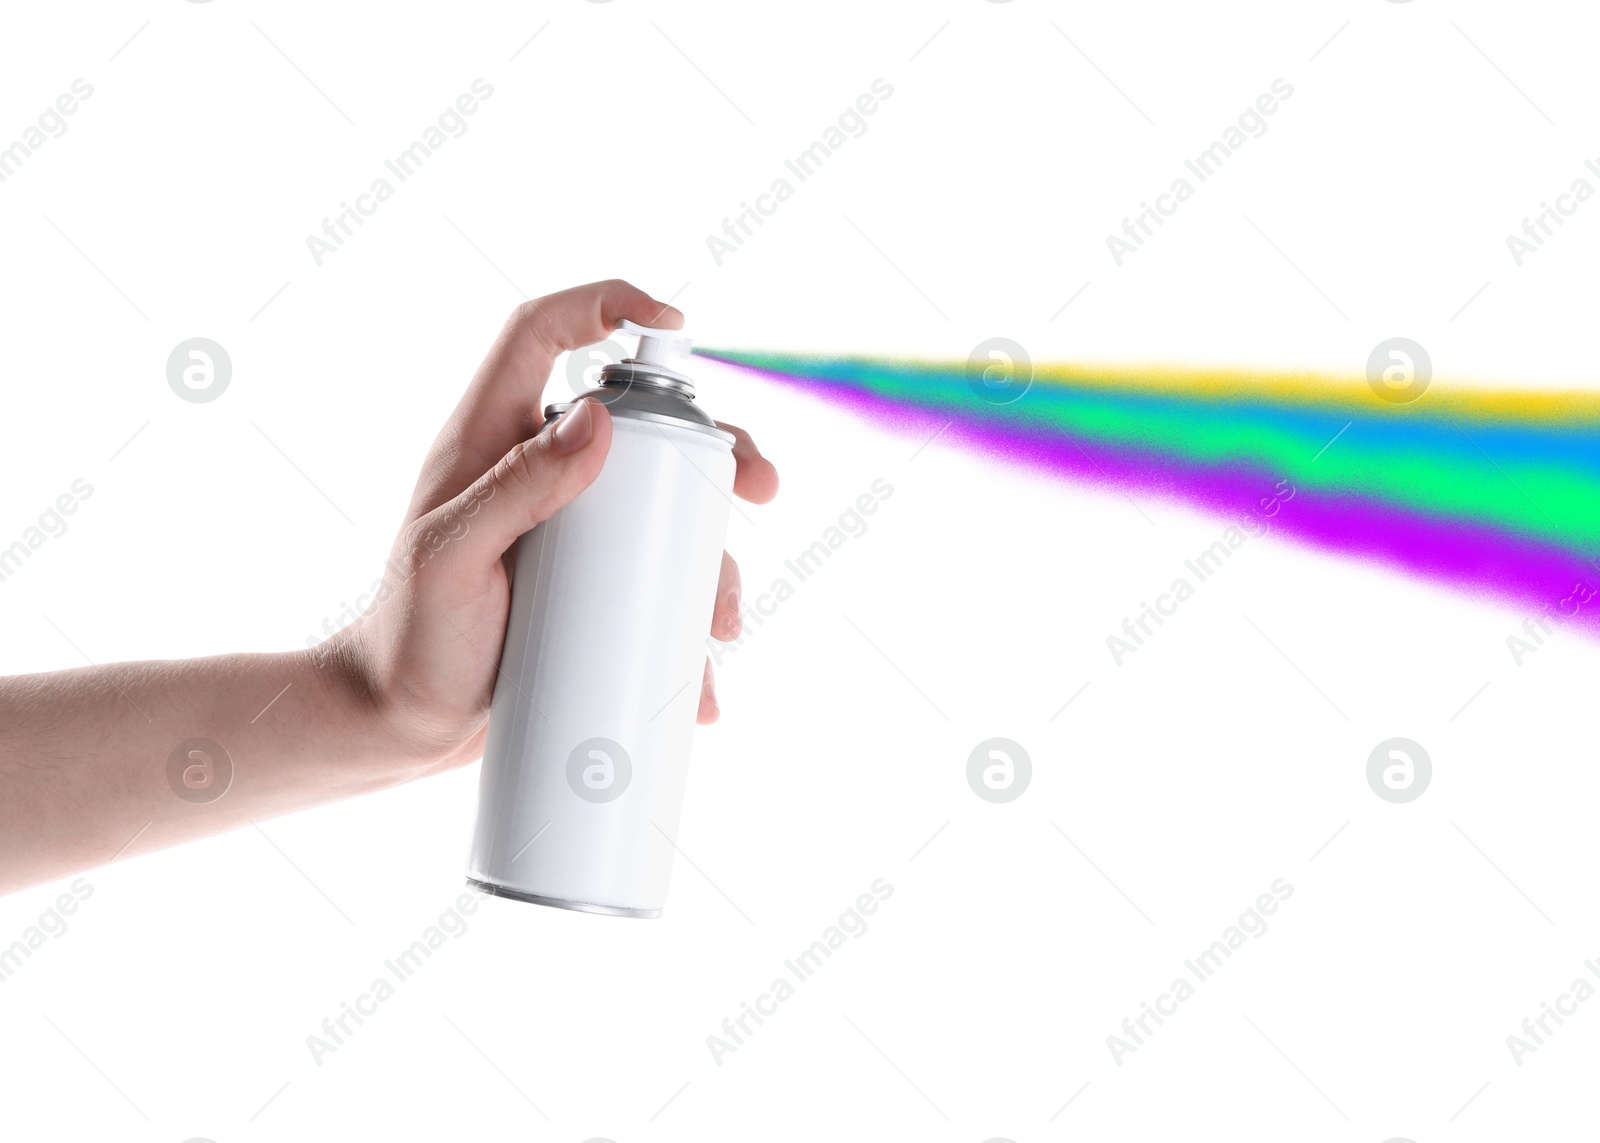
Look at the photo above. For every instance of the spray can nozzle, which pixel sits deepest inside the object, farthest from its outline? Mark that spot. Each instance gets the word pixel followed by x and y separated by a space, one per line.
pixel 653 361
pixel 657 346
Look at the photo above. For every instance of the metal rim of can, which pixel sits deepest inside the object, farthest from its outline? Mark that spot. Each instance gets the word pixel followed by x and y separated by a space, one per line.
pixel 628 371
pixel 551 412
pixel 494 889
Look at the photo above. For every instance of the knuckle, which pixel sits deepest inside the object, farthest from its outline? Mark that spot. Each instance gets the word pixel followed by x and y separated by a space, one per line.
pixel 480 491
pixel 519 467
pixel 527 320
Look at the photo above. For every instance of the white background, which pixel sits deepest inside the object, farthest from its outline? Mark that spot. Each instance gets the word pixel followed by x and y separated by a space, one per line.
pixel 1165 798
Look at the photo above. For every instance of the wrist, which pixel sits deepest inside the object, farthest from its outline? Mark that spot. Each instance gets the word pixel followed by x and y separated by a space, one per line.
pixel 387 725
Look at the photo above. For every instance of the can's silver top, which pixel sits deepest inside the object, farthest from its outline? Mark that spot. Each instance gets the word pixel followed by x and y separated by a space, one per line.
pixel 646 386
pixel 652 364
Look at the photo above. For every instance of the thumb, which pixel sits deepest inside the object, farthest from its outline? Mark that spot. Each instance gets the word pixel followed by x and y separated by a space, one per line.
pixel 530 483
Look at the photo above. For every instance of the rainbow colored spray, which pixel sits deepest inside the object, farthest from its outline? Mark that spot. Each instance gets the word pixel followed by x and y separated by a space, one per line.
pixel 1495 493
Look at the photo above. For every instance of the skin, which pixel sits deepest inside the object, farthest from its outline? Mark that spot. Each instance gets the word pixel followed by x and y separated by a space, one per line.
pixel 401 694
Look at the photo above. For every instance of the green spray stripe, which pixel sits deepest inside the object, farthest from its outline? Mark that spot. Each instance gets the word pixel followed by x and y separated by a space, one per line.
pixel 1545 500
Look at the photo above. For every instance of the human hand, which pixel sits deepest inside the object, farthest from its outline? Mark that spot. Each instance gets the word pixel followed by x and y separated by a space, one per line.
pixel 426 654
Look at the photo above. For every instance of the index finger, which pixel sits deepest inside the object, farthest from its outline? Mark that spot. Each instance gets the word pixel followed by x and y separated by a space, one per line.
pixel 501 407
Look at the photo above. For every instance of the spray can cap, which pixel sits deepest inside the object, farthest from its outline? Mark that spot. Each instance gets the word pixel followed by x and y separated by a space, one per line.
pixel 652 364
pixel 645 385
pixel 657 346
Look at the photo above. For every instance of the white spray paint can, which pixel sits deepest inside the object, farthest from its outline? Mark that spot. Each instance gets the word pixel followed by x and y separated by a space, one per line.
pixel 594 707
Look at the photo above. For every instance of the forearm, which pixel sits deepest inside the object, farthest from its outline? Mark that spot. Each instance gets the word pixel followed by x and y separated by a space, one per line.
pixel 102 762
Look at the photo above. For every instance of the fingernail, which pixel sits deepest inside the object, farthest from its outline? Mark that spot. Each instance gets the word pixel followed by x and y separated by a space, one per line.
pixel 731 622
pixel 574 429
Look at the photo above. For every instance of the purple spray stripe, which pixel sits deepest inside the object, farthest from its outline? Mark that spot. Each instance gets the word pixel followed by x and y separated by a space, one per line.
pixel 1476 559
